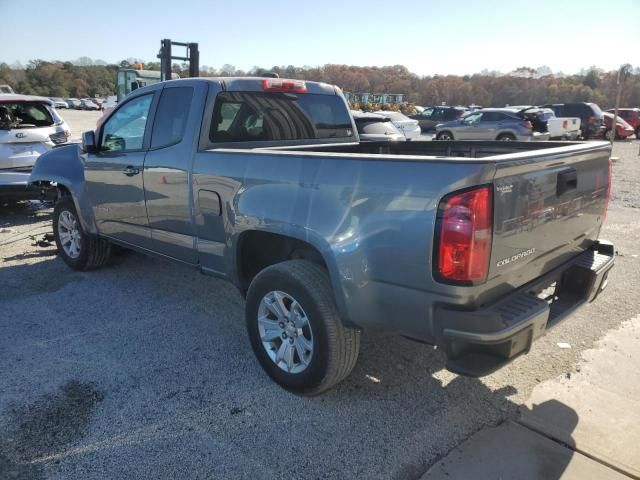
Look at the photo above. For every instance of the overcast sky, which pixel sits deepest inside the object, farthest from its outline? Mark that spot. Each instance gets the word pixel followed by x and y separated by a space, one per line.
pixel 458 37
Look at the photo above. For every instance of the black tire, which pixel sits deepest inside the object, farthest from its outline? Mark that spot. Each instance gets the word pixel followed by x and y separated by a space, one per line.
pixel 93 253
pixel 444 136
pixel 335 346
pixel 506 137
pixel 638 133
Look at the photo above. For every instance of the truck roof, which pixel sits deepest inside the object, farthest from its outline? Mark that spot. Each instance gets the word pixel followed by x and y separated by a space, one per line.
pixel 256 84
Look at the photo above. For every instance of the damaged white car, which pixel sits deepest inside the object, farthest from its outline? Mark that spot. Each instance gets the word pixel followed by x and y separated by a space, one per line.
pixel 29 126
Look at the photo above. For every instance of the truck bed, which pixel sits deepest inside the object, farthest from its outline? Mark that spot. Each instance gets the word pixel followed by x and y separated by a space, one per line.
pixel 549 198
pixel 439 149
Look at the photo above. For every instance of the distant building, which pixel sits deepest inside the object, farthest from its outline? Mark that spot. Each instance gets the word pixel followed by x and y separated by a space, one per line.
pixel 390 98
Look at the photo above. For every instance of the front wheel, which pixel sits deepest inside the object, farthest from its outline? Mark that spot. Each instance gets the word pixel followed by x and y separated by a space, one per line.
pixel 506 137
pixel 295 330
pixel 78 250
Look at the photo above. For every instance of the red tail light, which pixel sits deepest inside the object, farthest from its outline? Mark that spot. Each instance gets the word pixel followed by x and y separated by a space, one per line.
pixel 464 236
pixel 280 85
pixel 592 120
pixel 565 124
pixel 60 137
pixel 527 124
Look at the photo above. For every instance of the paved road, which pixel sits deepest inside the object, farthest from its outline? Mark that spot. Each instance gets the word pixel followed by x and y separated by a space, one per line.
pixel 582 426
pixel 143 369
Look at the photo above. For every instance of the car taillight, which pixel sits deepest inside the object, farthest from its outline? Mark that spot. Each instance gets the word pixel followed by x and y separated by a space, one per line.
pixel 60 137
pixel 565 125
pixel 527 125
pixel 464 234
pixel 280 85
pixel 592 120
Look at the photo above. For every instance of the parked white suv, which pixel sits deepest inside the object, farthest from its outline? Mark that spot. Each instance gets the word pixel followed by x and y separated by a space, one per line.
pixel 29 126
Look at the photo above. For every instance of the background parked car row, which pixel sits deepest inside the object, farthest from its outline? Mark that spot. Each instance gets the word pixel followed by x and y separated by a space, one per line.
pixel 77 104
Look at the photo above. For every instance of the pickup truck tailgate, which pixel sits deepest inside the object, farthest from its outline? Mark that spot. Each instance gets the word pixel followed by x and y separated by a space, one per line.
pixel 547 209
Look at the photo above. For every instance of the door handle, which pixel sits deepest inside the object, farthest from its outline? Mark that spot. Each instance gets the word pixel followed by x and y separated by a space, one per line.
pixel 130 171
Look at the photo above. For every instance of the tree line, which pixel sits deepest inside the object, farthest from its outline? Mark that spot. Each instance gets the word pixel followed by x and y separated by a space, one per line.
pixel 66 79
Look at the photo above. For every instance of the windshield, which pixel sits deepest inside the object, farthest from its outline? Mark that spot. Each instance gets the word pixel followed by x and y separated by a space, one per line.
pixel 596 109
pixel 259 116
pixel 24 115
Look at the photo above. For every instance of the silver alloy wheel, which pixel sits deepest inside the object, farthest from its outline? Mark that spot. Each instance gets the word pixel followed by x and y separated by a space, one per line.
pixel 506 138
pixel 445 136
pixel 69 233
pixel 285 331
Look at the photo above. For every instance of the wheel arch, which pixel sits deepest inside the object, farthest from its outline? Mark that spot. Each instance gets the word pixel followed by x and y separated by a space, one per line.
pixel 63 168
pixel 257 249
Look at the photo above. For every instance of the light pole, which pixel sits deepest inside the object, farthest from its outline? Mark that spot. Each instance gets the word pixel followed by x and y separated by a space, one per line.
pixel 623 71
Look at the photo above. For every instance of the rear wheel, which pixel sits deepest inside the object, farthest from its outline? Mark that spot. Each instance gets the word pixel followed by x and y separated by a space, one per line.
pixel 78 250
pixel 506 137
pixel 444 136
pixel 295 330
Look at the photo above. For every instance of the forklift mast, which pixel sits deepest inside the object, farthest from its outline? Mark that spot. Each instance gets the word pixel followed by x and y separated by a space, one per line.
pixel 165 56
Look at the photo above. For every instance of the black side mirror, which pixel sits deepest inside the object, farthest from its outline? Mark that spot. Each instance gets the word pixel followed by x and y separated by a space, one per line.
pixel 89 142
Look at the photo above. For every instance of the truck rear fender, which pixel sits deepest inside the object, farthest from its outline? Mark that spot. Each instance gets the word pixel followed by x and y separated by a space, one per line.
pixel 64 166
pixel 300 240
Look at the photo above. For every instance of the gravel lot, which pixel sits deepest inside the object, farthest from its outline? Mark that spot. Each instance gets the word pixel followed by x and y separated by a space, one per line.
pixel 143 370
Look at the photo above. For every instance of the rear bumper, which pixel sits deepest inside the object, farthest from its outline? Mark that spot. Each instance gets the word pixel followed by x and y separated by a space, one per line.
pixel 481 341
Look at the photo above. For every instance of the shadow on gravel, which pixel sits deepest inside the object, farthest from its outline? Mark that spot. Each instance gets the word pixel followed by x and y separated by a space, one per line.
pixel 23 213
pixel 25 280
pixel 423 402
pixel 36 254
pixel 41 429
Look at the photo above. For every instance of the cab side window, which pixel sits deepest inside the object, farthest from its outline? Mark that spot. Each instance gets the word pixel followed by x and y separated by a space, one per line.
pixel 171 116
pixel 472 118
pixel 427 112
pixel 125 129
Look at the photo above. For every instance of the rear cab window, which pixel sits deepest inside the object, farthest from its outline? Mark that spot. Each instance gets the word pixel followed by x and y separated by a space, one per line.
pixel 246 116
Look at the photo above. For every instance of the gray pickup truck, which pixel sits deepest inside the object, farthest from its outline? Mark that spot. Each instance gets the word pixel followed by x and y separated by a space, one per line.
pixel 476 247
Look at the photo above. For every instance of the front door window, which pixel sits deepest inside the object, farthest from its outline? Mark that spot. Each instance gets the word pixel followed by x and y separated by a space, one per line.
pixel 124 130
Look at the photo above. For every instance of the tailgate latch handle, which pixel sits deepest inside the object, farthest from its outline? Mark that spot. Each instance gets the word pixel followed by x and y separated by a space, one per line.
pixel 567 180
